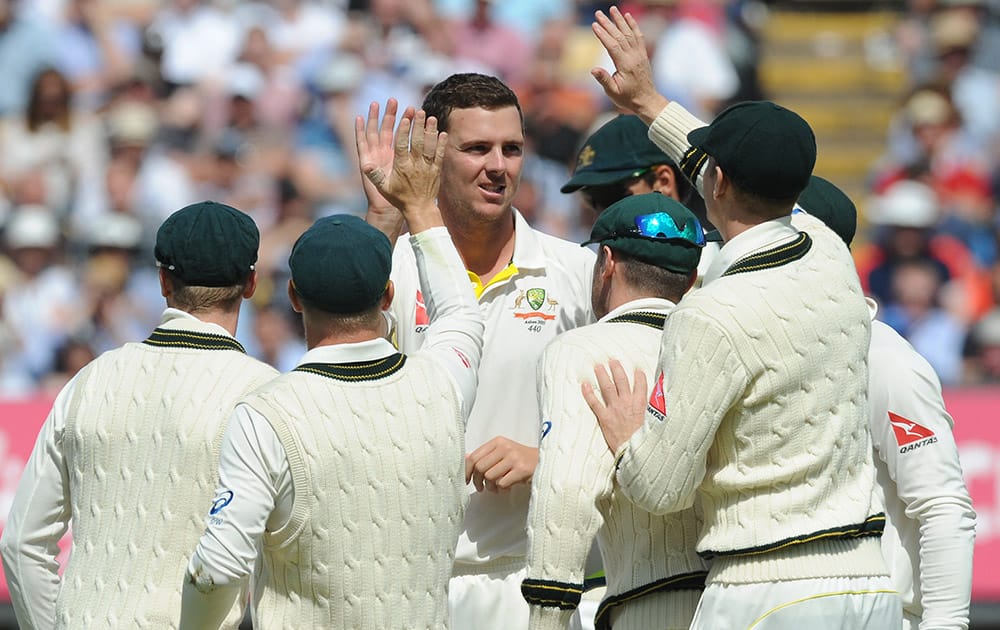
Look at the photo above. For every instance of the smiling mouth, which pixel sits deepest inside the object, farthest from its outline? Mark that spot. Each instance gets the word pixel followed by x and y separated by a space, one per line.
pixel 493 189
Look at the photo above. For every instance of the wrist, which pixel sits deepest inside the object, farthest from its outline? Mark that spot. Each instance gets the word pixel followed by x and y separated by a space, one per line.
pixel 648 107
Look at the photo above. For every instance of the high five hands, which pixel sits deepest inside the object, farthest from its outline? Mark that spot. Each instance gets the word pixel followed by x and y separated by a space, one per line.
pixel 403 168
pixel 631 86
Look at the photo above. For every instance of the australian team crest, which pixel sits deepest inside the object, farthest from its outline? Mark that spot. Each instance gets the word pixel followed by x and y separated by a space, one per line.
pixel 536 297
pixel 541 307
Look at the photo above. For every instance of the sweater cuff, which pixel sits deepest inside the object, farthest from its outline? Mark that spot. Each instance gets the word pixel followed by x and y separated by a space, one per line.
pixel 670 128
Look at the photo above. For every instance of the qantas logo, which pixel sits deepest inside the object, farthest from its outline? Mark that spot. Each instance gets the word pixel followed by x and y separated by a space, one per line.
pixel 420 318
pixel 909 434
pixel 657 404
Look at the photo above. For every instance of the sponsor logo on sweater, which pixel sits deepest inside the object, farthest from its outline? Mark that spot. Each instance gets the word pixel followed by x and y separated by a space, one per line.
pixel 536 307
pixel 657 404
pixel 910 435
pixel 420 318
pixel 221 501
pixel 546 427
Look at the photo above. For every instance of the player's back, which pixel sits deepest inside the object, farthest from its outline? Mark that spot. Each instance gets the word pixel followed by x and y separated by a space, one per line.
pixel 376 453
pixel 793 322
pixel 141 441
pixel 638 548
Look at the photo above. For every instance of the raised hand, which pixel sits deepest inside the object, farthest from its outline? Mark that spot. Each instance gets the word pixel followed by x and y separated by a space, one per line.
pixel 631 87
pixel 409 176
pixel 377 138
pixel 623 409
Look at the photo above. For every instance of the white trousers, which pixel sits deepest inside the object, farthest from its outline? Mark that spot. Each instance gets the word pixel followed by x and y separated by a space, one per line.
pixel 493 601
pixel 818 604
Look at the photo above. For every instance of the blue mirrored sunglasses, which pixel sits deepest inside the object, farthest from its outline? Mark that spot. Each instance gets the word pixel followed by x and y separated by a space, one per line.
pixel 660 226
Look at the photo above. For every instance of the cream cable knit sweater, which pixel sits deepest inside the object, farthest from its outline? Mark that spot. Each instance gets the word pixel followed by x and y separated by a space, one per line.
pixel 573 496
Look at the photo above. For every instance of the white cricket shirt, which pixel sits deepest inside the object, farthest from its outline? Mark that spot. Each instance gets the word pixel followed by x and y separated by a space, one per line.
pixel 543 292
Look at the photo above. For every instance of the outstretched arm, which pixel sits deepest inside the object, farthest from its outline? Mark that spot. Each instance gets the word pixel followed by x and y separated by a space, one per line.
pixel 631 86
pixel 409 179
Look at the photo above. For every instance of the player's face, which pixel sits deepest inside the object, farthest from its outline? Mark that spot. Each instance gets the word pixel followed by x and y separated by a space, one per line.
pixel 482 163
pixel 598 198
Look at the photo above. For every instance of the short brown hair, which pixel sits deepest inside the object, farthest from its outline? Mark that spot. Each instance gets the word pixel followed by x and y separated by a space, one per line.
pixel 651 280
pixel 468 90
pixel 195 299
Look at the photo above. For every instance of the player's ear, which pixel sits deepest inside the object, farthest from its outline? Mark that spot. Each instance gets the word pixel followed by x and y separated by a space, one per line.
pixel 721 182
pixel 166 285
pixel 251 286
pixel 666 181
pixel 293 297
pixel 390 292
pixel 691 280
pixel 608 262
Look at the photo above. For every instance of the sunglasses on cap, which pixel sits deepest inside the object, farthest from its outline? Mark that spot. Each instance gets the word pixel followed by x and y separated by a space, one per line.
pixel 660 226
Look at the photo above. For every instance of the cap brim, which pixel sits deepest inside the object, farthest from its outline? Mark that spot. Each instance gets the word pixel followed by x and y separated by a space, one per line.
pixel 697 136
pixel 713 236
pixel 597 178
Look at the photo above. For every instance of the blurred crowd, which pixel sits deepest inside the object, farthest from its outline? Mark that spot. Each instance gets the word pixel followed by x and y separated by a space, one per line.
pixel 115 113
pixel 932 257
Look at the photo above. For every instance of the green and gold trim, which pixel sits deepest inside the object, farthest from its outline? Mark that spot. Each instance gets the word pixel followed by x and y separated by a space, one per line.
pixel 691 163
pixel 164 338
pixel 357 371
pixel 771 258
pixel 646 318
pixel 871 526
pixel 681 582
pixel 551 594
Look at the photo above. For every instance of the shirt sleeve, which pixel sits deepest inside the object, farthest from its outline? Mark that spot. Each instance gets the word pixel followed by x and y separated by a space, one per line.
pixel 38 518
pixel 575 470
pixel 254 478
pixel 928 480
pixel 455 332
pixel 664 462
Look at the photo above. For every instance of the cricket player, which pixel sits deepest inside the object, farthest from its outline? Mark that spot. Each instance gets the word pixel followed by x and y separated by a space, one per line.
pixel 346 475
pixel 764 414
pixel 650 245
pixel 129 453
pixel 619 160
pixel 930 523
pixel 530 287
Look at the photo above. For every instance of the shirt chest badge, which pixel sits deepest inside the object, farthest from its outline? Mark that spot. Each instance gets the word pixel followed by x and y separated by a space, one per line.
pixel 535 307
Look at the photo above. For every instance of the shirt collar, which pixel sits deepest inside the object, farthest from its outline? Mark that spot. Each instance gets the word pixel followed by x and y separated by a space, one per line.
pixel 758 237
pixel 370 350
pixel 872 307
pixel 176 319
pixel 528 252
pixel 654 305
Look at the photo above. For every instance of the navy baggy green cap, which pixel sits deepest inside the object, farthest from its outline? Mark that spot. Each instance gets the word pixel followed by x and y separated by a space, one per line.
pixel 762 147
pixel 208 244
pixel 620 149
pixel 832 206
pixel 341 264
pixel 654 229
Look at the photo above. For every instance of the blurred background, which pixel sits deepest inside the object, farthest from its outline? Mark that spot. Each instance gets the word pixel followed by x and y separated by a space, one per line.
pixel 115 113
